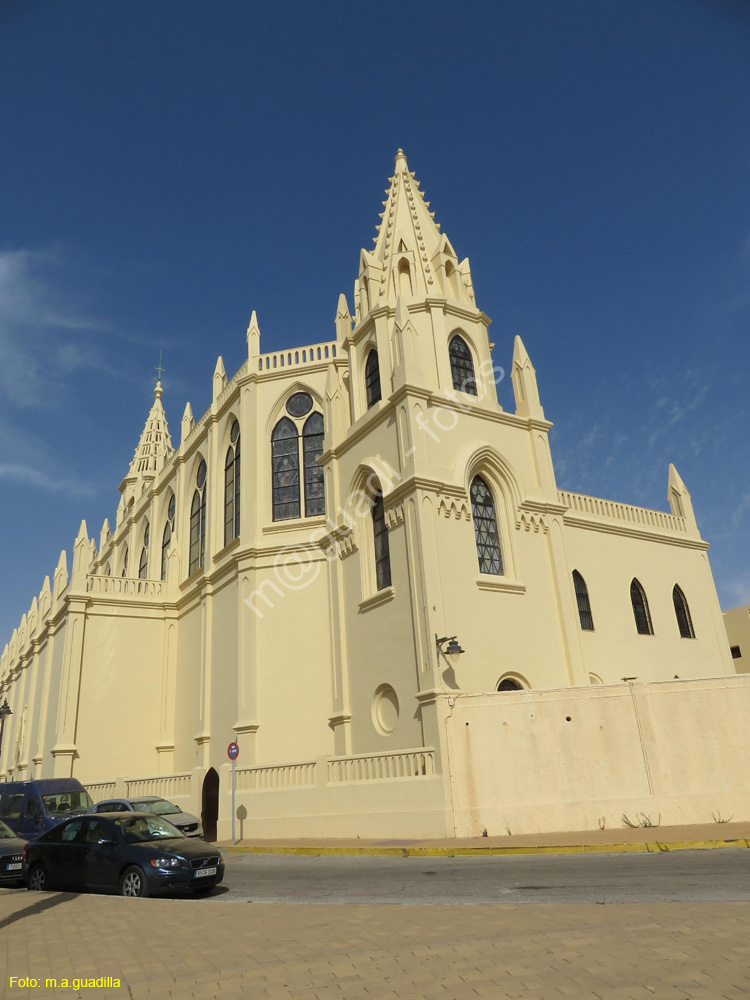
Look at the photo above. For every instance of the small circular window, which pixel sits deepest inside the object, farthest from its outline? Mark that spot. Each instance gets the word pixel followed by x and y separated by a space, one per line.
pixel 201 477
pixel 235 432
pixel 299 404
pixel 170 508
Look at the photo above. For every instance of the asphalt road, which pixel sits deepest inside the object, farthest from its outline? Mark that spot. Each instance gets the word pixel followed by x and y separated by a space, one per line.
pixel 682 876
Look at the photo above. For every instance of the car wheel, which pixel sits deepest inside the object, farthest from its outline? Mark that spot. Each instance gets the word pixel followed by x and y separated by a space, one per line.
pixel 38 879
pixel 133 882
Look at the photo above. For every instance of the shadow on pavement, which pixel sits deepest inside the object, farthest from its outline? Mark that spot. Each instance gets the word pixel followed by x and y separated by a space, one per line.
pixel 38 906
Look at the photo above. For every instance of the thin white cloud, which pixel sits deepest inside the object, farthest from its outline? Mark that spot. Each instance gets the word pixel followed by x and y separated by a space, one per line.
pixel 44 332
pixel 29 476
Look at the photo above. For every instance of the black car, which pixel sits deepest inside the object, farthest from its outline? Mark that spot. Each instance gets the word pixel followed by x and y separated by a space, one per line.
pixel 136 853
pixel 11 856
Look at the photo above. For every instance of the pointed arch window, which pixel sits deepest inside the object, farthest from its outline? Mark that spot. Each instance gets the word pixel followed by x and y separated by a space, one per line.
pixel 166 538
pixel 682 611
pixel 312 449
pixel 582 600
pixel 462 366
pixel 485 528
pixel 232 486
pixel 380 537
pixel 143 561
pixel 125 563
pixel 285 470
pixel 640 609
pixel 372 378
pixel 198 522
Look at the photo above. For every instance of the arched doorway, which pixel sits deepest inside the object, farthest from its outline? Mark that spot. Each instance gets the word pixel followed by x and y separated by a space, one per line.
pixel 210 804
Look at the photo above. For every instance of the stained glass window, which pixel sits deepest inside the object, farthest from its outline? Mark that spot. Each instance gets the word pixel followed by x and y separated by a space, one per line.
pixel 372 378
pixel 312 449
pixel 462 366
pixel 485 528
pixel 582 599
pixel 299 404
pixel 681 609
pixel 285 470
pixel 640 609
pixel 382 550
pixel 232 486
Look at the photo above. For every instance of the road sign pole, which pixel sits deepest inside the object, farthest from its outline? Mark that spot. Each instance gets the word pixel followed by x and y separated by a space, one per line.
pixel 234 811
pixel 233 752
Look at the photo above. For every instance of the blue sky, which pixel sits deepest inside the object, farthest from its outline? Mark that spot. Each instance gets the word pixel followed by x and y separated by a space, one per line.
pixel 167 166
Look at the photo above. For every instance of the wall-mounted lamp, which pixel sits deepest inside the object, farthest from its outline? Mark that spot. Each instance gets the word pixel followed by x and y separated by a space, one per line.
pixel 451 652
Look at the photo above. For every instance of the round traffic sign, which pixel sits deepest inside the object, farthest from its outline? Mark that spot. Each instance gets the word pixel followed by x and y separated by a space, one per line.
pixel 233 751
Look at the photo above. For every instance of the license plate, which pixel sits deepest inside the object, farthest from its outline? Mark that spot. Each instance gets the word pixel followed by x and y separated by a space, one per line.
pixel 19 866
pixel 201 872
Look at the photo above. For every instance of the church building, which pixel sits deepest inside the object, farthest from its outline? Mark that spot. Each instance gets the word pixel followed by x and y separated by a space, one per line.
pixel 361 568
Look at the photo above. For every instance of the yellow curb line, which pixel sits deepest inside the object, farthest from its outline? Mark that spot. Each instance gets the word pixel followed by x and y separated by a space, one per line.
pixel 647 847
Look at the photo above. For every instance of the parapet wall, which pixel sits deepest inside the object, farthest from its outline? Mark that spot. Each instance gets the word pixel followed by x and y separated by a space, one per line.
pixel 673 752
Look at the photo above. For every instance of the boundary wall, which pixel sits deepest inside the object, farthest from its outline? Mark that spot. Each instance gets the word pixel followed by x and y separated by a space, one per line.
pixel 609 756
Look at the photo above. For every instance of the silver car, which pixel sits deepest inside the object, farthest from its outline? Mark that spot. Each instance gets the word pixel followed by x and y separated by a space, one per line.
pixel 185 822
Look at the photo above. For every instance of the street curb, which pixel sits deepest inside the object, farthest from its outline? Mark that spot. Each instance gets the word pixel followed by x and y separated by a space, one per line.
pixel 647 847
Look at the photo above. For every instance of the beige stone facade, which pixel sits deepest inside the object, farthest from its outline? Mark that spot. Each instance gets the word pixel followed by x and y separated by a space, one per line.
pixel 281 579
pixel 737 622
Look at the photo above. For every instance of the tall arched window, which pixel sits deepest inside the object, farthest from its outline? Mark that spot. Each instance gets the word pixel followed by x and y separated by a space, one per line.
pixel 125 563
pixel 166 538
pixel 640 609
pixel 582 599
pixel 232 486
pixel 681 609
pixel 485 528
pixel 285 470
pixel 462 366
pixel 312 449
pixel 382 549
pixel 198 522
pixel 143 561
pixel 372 378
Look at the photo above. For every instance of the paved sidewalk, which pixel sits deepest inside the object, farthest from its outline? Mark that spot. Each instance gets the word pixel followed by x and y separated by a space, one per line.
pixel 207 950
pixel 662 838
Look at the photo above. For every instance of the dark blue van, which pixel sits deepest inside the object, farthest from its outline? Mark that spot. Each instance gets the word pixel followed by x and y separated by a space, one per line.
pixel 32 807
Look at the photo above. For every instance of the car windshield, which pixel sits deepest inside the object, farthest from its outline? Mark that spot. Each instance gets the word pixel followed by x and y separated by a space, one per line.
pixel 159 808
pixel 140 829
pixel 5 832
pixel 67 802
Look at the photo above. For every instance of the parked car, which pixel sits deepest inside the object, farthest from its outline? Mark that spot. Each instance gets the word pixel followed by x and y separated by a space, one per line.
pixel 31 807
pixel 11 856
pixel 185 822
pixel 136 853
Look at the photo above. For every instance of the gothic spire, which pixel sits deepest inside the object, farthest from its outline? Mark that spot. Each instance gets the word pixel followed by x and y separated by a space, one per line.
pixel 155 445
pixel 411 257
